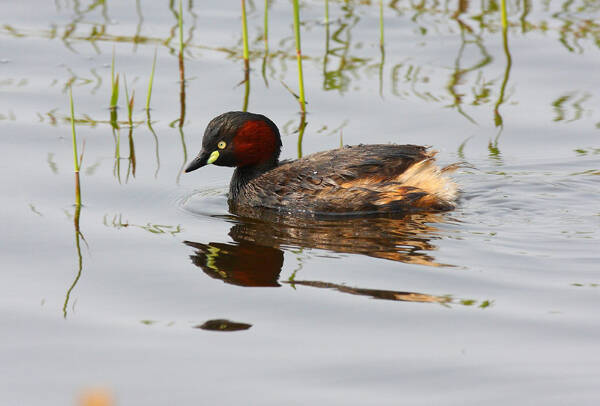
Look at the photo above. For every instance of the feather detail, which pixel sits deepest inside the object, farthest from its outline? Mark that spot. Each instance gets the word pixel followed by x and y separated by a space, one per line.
pixel 351 180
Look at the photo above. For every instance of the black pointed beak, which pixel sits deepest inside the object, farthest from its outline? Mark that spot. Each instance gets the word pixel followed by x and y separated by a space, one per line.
pixel 198 162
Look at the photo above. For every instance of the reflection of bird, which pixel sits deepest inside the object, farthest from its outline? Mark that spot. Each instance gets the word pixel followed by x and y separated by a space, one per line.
pixel 243 264
pixel 376 293
pixel 405 239
pixel 251 265
pixel 256 256
pixel 363 179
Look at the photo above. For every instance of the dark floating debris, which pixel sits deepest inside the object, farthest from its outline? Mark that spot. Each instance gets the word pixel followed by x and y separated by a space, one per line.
pixel 223 325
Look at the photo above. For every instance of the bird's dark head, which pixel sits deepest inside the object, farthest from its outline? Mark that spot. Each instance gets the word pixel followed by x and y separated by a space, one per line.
pixel 239 139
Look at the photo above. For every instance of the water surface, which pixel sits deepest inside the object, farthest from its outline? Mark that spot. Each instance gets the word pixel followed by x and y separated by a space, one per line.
pixel 161 296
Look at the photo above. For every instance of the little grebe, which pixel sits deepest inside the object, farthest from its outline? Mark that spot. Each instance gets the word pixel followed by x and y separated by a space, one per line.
pixel 362 179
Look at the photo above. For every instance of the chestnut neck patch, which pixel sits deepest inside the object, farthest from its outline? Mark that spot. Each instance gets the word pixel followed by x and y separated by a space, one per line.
pixel 255 142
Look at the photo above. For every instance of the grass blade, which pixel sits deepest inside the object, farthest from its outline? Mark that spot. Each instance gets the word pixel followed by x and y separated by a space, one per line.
pixel 114 98
pixel 151 81
pixel 299 54
pixel 180 23
pixel 75 157
pixel 74 135
pixel 266 27
pixel 244 32
pixel 114 83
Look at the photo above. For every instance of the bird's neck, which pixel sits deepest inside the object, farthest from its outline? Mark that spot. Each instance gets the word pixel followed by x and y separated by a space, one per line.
pixel 243 175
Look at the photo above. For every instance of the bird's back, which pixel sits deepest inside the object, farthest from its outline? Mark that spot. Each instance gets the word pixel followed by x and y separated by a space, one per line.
pixel 363 179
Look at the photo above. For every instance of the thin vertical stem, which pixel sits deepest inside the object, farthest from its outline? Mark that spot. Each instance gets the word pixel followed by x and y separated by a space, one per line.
pixel 151 81
pixel 246 89
pixel 526 10
pixel 78 237
pixel 181 90
pixel 244 32
pixel 325 58
pixel 182 112
pixel 114 83
pixel 185 156
pixel 129 102
pixel 299 54
pixel 75 157
pixel 498 121
pixel 266 27
pixel 117 168
pixel 381 24
pixel 266 39
pixel 301 129
pixel 77 190
pixel 180 23
pixel 381 47
pixel 77 203
pixel 136 37
pixel 149 124
pixel 132 160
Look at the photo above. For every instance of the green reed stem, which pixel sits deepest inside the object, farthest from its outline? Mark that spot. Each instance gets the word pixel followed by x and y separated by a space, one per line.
pixel 498 121
pixel 129 102
pixel 114 83
pixel 151 82
pixel 181 90
pixel 266 39
pixel 185 155
pixel 117 168
pixel 266 27
pixel 130 108
pixel 149 124
pixel 114 98
pixel 301 129
pixel 526 10
pixel 114 119
pixel 381 23
pixel 76 216
pixel 180 23
pixel 131 165
pixel 325 57
pixel 78 237
pixel 126 91
pixel 299 54
pixel 246 89
pixel 75 157
pixel 244 31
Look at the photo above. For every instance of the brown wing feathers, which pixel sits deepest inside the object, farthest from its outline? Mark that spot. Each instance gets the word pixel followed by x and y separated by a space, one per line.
pixel 366 178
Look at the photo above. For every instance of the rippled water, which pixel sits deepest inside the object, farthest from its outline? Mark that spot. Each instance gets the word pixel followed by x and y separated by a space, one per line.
pixel 154 292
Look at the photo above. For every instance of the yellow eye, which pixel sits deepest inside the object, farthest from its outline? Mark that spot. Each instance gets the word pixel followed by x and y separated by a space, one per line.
pixel 222 144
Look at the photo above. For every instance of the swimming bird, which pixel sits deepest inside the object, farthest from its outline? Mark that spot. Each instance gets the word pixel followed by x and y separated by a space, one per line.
pixel 378 179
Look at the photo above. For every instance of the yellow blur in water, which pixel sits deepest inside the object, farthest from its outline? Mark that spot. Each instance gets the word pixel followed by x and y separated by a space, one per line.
pixel 96 397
